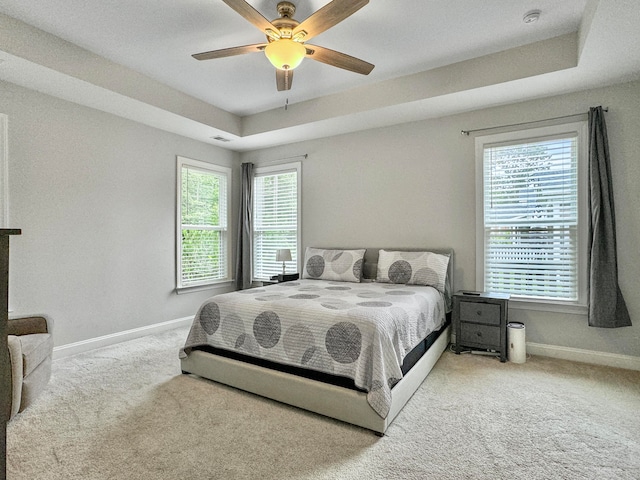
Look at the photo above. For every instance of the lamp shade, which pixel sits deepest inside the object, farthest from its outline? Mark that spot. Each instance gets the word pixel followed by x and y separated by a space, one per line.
pixel 285 54
pixel 283 255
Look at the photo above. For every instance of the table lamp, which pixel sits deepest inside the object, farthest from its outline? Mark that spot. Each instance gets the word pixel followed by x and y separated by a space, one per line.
pixel 283 255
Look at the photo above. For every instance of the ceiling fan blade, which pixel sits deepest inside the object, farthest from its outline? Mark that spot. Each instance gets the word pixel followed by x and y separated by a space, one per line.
pixel 284 78
pixel 337 59
pixel 251 14
pixel 230 52
pixel 328 16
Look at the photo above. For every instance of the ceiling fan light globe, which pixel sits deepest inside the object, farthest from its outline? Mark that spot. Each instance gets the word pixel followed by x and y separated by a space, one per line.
pixel 285 54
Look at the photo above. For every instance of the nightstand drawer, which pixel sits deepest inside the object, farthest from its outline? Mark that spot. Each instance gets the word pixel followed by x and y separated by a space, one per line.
pixel 472 333
pixel 480 313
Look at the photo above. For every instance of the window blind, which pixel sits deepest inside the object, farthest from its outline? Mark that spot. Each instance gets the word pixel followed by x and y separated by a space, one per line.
pixel 275 221
pixel 531 218
pixel 203 226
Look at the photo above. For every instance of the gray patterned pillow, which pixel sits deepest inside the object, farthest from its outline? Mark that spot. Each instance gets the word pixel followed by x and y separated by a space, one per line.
pixel 338 265
pixel 413 268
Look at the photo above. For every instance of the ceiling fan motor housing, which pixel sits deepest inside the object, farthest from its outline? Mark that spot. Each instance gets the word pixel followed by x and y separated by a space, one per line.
pixel 286 23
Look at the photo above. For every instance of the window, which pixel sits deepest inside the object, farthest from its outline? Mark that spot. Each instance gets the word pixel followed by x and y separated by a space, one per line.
pixel 276 217
pixel 531 239
pixel 202 213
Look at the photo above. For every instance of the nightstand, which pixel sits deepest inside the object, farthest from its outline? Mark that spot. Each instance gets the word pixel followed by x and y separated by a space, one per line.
pixel 480 321
pixel 281 279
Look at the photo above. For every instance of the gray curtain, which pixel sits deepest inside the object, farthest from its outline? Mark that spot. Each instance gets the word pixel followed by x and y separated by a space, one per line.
pixel 244 252
pixel 607 307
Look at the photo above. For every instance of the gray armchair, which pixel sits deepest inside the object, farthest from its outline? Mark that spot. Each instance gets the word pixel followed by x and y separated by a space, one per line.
pixel 30 353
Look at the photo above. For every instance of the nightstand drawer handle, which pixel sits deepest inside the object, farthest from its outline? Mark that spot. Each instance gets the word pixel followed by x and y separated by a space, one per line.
pixel 479 334
pixel 479 313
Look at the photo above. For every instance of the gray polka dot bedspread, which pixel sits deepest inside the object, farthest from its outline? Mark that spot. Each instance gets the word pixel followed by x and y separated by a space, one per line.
pixel 358 330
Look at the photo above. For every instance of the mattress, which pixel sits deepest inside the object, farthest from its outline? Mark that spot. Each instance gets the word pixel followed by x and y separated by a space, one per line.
pixel 410 360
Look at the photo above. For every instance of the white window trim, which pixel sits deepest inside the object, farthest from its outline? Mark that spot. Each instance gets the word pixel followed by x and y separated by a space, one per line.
pixel 209 167
pixel 4 171
pixel 579 128
pixel 285 168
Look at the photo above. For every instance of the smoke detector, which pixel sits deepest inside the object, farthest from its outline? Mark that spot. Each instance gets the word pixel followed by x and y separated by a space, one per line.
pixel 531 17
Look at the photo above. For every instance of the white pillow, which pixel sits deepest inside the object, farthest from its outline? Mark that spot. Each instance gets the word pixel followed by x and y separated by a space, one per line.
pixel 413 268
pixel 337 265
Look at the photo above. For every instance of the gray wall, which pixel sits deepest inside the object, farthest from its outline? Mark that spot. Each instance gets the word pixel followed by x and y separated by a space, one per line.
pixel 414 185
pixel 94 195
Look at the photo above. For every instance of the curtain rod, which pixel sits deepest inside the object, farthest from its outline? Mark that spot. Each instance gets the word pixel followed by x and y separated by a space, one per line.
pixel 467 132
pixel 302 155
pixel 277 161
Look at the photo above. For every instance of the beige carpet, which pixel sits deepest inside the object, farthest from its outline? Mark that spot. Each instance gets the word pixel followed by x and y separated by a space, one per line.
pixel 126 412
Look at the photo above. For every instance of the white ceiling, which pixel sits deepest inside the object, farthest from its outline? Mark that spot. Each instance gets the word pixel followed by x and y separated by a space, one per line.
pixel 424 53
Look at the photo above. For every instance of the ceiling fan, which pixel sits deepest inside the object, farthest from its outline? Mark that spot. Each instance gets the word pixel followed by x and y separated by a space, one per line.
pixel 285 47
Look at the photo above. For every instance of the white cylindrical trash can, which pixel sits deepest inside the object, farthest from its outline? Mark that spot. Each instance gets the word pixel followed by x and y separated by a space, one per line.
pixel 517 349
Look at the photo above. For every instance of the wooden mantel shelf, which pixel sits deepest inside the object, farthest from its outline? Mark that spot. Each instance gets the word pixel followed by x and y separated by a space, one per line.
pixel 10 231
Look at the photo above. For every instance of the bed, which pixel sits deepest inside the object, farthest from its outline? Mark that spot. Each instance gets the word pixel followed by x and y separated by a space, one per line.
pixel 352 339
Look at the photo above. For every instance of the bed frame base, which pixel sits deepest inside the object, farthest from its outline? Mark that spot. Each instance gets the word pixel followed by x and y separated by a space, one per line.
pixel 341 403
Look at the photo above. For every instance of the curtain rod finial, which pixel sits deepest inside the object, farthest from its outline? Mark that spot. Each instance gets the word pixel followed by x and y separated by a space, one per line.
pixel 464 132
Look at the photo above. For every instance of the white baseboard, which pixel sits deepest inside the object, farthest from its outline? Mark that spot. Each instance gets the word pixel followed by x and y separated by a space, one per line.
pixel 585 356
pixel 113 338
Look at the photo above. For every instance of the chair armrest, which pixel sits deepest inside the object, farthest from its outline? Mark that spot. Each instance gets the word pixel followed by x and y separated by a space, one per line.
pixel 29 325
pixel 15 359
